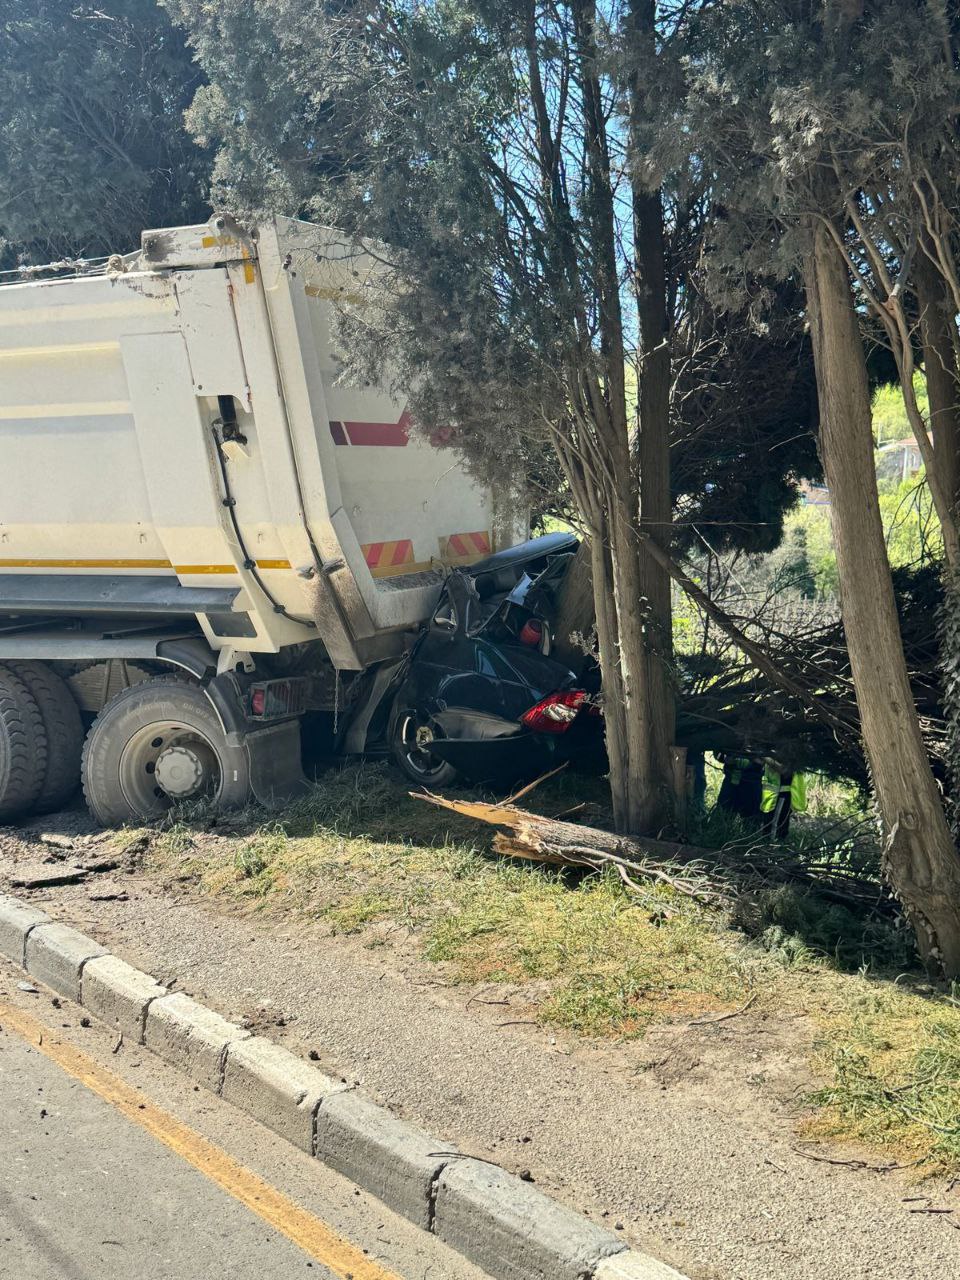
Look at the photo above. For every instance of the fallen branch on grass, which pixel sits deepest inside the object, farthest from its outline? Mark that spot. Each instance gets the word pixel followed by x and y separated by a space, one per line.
pixel 536 838
pixel 717 878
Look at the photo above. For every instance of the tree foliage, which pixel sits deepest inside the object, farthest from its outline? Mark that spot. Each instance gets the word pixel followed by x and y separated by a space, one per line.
pixel 93 147
pixel 489 154
pixel 831 128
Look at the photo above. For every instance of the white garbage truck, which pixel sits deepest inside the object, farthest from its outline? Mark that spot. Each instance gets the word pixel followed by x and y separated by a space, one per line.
pixel 204 533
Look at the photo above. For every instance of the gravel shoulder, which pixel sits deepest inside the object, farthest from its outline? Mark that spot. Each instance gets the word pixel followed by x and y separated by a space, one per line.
pixel 685 1141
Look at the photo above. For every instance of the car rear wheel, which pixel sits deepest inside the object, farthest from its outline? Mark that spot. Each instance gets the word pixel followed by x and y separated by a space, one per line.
pixel 157 744
pixel 413 732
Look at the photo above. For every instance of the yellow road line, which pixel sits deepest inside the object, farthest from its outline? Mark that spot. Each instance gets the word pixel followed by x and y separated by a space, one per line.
pixel 313 1236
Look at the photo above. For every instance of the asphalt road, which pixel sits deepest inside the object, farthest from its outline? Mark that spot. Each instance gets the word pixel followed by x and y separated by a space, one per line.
pixel 96 1185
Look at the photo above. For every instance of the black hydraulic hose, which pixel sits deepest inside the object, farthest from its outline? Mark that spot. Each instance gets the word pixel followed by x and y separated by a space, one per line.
pixel 230 502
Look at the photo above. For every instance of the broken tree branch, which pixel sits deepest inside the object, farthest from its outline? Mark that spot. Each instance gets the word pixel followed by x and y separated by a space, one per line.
pixel 714 878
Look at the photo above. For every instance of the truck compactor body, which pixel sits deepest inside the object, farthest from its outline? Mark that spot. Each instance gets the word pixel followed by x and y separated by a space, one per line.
pixel 203 532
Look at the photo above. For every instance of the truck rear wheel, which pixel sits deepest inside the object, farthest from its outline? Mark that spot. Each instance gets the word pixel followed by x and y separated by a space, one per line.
pixel 64 732
pixel 23 747
pixel 157 744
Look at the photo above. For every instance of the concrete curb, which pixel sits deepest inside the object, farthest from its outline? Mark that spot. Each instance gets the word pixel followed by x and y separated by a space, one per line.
pixel 509 1229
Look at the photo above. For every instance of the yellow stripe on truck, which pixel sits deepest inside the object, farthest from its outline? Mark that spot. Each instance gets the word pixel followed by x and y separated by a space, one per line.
pixel 222 242
pixel 32 563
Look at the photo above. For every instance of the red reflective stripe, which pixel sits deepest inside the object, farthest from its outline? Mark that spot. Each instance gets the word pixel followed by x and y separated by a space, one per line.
pixel 388 555
pixel 458 544
pixel 391 434
pixel 384 434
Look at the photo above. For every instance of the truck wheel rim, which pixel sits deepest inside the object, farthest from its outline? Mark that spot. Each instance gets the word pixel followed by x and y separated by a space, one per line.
pixel 416 732
pixel 166 763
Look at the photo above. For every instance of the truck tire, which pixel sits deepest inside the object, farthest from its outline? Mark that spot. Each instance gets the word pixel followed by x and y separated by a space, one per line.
pixel 63 728
pixel 157 744
pixel 23 747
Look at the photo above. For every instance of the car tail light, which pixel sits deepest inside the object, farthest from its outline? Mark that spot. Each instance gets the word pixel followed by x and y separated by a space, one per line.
pixel 555 713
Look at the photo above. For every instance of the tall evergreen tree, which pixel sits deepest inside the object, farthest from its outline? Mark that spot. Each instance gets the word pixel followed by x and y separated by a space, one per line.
pixel 805 114
pixel 93 147
pixel 494 153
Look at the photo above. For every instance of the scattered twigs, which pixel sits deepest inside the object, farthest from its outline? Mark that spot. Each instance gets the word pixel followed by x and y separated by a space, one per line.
pixel 723 1017
pixel 855 1163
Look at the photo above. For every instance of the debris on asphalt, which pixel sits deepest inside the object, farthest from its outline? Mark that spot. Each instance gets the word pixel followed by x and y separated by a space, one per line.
pixel 57 839
pixel 109 893
pixel 44 875
pixel 100 864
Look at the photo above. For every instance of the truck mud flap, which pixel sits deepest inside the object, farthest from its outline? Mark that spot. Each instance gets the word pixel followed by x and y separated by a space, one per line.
pixel 276 773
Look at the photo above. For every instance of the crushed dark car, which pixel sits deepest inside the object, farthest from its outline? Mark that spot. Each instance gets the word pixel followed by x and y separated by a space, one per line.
pixel 480 695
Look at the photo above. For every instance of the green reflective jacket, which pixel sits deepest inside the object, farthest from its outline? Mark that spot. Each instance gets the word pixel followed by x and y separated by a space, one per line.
pixel 797 789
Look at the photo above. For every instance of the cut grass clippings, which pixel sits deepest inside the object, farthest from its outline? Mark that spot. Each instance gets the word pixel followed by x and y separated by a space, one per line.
pixel 599 961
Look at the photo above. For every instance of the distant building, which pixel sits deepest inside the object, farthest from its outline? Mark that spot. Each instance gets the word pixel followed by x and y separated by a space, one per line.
pixel 814 495
pixel 899 461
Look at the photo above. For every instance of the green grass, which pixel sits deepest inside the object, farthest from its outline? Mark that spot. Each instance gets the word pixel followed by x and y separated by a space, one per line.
pixel 892 1059
pixel 591 957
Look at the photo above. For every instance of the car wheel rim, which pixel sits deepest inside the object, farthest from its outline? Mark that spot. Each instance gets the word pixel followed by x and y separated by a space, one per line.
pixel 416 734
pixel 167 763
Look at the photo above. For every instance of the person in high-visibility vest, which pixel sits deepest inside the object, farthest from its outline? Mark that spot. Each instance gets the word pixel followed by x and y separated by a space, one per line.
pixel 740 790
pixel 784 792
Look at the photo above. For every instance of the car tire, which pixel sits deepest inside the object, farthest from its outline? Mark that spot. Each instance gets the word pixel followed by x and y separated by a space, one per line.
pixel 408 727
pixel 23 747
pixel 64 732
pixel 164 717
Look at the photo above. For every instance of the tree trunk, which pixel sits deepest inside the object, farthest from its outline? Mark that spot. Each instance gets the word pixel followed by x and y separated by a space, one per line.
pixel 654 377
pixel 615 710
pixel 920 859
pixel 649 785
pixel 656 501
pixel 940 368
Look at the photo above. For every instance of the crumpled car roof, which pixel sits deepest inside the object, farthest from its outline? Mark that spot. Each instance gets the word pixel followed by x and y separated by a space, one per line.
pixel 550 544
